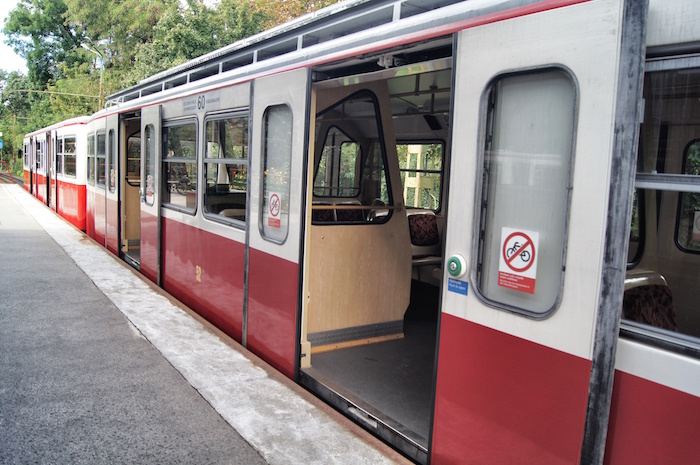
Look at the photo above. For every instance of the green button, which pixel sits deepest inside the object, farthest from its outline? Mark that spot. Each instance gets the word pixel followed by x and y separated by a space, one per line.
pixel 454 266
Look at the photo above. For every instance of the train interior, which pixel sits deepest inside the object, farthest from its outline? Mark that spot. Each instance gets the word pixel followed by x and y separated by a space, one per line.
pixel 131 178
pixel 373 260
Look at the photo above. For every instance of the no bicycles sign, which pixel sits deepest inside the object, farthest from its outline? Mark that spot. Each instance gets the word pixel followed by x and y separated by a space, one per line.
pixel 517 266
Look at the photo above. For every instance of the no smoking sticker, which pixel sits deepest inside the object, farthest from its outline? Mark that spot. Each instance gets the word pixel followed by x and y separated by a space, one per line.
pixel 517 266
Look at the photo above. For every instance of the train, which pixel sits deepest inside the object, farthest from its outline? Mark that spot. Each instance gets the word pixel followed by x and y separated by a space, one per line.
pixel 472 227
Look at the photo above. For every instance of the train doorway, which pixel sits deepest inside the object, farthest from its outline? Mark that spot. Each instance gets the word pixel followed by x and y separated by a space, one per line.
pixel 373 260
pixel 130 183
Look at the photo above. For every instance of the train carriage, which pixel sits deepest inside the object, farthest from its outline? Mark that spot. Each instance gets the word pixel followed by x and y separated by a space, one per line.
pixel 54 168
pixel 469 226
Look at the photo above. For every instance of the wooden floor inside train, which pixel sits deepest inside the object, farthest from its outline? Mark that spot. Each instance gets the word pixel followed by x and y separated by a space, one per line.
pixel 393 380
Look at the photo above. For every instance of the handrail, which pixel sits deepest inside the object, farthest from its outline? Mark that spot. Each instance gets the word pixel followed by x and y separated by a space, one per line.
pixel 9 173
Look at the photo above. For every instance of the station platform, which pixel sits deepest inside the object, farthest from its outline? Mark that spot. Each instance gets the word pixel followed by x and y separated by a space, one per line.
pixel 98 365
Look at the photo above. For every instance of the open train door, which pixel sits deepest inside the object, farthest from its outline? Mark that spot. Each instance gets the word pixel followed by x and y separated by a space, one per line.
pixel 150 193
pixel 279 112
pixel 112 185
pixel 544 129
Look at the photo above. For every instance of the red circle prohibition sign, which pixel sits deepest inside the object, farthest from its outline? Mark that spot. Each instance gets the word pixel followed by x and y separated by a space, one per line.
pixel 511 253
pixel 274 205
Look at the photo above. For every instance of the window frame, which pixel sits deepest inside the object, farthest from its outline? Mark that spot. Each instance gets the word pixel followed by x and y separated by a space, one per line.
pixel 488 109
pixel 217 117
pixel 677 342
pixel 192 211
pixel 441 171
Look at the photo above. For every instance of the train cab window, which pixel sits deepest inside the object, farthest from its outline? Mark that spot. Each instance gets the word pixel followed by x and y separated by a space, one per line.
pixel 277 162
pixel 350 180
pixel 226 168
pixel 525 193
pixel 661 286
pixel 100 157
pixel 69 156
pixel 337 174
pixel 180 166
pixel 421 174
pixel 91 160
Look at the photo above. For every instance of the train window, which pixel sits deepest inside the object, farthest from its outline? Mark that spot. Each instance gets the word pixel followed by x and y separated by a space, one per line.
pixel 636 244
pixel 180 166
pixel 91 160
pixel 525 192
pixel 59 155
pixel 133 159
pixel 688 221
pixel 226 168
pixel 69 156
pixel 660 299
pixel 350 178
pixel 100 159
pixel 277 162
pixel 337 173
pixel 149 165
pixel 111 161
pixel 421 174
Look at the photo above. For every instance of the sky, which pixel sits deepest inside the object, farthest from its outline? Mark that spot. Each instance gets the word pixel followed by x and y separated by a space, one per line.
pixel 8 60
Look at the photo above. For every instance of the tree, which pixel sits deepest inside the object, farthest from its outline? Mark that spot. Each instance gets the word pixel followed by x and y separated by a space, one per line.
pixel 39 32
pixel 184 33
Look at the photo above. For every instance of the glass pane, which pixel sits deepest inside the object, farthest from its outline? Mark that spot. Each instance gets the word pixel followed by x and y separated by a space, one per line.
pixel 180 165
pixel 350 167
pixel 421 174
pixel 70 165
pixel 112 161
pixel 227 178
pixel 526 190
pixel 277 153
pixel 149 164
pixel 688 233
pixel 336 175
pixel 662 288
pixel 91 160
pixel 133 160
pixel 101 162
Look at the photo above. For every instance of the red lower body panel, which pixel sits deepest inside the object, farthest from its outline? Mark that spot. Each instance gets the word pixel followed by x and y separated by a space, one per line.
pixel 149 246
pixel 72 203
pixel 112 225
pixel 273 287
pixel 651 424
pixel 501 399
pixel 205 272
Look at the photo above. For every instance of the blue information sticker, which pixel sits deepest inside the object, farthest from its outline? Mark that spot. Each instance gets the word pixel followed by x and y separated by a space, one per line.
pixel 455 285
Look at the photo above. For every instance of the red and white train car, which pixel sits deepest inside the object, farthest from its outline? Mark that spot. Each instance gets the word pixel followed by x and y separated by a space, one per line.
pixel 54 168
pixel 472 227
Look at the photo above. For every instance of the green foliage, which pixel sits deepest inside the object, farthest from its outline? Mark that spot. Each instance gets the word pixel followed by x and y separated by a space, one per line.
pixel 184 33
pixel 37 31
pixel 70 44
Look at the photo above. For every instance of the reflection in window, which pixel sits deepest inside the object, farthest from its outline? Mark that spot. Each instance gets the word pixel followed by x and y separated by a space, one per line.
pixel 226 167
pixel 180 166
pixel 421 174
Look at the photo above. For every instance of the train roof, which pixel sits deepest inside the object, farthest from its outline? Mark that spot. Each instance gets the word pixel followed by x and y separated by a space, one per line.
pixel 306 36
pixel 61 124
